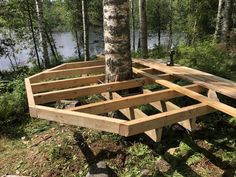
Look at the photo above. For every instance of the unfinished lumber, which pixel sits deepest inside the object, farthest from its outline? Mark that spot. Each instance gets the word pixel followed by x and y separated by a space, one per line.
pixel 66 83
pixel 154 134
pixel 214 104
pixel 77 118
pixel 164 106
pixel 81 64
pixel 218 84
pixel 137 126
pixel 132 101
pixel 57 95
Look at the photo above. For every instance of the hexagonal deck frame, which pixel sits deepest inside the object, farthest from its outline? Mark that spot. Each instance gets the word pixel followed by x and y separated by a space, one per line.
pixel 78 79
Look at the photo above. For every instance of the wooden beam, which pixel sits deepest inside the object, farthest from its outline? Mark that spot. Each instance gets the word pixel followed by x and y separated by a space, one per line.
pixel 214 104
pixel 209 81
pixel 52 96
pixel 137 126
pixel 81 64
pixel 65 83
pixel 74 72
pixel 131 101
pixel 78 119
pixel 162 106
pixel 29 91
pixel 154 134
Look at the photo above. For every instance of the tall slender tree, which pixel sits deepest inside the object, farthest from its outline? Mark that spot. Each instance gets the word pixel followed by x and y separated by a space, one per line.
pixel 143 28
pixel 85 29
pixel 30 19
pixel 170 24
pixel 43 32
pixel 117 40
pixel 227 20
pixel 133 23
pixel 218 31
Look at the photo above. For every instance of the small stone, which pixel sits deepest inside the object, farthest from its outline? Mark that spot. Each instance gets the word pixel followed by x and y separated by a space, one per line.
pixel 100 170
pixel 163 166
pixel 145 173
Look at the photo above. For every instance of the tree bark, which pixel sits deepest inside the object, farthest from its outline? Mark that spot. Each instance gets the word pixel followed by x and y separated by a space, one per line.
pixel 33 33
pixel 117 40
pixel 170 25
pixel 218 31
pixel 77 43
pixel 133 23
pixel 158 23
pixel 143 28
pixel 227 20
pixel 85 29
pixel 42 29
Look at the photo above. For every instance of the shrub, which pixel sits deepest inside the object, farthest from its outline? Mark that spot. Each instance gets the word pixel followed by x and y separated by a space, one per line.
pixel 208 57
pixel 13 103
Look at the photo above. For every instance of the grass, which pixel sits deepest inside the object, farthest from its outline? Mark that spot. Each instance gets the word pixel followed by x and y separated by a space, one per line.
pixel 69 151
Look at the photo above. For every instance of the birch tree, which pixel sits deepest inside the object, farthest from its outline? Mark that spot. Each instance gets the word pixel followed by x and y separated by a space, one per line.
pixel 117 40
pixel 43 33
pixel 85 29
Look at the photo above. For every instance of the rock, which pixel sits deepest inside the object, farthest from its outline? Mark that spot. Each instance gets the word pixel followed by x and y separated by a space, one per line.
pixel 145 173
pixel 163 166
pixel 100 170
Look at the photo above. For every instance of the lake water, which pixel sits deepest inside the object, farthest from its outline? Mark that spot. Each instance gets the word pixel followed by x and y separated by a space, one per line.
pixel 66 46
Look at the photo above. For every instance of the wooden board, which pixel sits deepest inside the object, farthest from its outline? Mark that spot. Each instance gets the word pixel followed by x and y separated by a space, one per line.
pixel 131 101
pixel 57 95
pixel 218 84
pixel 210 102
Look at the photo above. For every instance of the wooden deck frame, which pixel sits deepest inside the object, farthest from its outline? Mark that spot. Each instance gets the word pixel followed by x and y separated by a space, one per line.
pixel 69 82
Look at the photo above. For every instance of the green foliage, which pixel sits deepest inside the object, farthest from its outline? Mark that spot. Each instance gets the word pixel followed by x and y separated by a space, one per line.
pixel 13 103
pixel 208 57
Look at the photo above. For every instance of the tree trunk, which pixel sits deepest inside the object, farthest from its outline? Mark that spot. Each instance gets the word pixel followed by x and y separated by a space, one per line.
pixel 117 40
pixel 85 29
pixel 77 43
pixel 133 22
pixel 42 29
pixel 143 28
pixel 218 31
pixel 227 20
pixel 158 23
pixel 170 25
pixel 33 33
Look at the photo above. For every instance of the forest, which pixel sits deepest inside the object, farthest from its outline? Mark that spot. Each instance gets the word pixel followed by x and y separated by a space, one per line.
pixel 36 35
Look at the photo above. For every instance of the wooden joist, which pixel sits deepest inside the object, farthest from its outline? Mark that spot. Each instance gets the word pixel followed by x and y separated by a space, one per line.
pixel 214 104
pixel 132 101
pixel 154 134
pixel 137 126
pixel 81 64
pixel 209 81
pixel 66 83
pixel 52 96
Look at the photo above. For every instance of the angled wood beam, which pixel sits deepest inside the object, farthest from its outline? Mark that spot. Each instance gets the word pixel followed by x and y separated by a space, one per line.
pixel 46 75
pixel 189 124
pixel 214 104
pixel 57 95
pixel 73 72
pixel 76 118
pixel 154 134
pixel 218 84
pixel 137 126
pixel 81 64
pixel 131 101
pixel 66 83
